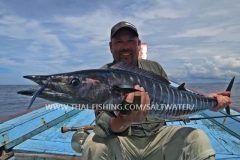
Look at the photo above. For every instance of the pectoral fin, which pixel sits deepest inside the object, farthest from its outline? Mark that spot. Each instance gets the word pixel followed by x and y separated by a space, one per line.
pixel 123 89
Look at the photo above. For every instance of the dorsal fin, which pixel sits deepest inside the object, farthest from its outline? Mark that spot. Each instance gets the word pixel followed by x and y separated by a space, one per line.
pixel 181 87
pixel 133 69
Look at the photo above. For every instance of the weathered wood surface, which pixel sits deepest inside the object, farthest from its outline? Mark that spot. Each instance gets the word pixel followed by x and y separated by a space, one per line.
pixel 17 130
pixel 37 135
pixel 52 141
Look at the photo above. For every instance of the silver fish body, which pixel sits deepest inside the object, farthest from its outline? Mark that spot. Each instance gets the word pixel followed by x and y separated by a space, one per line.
pixel 109 86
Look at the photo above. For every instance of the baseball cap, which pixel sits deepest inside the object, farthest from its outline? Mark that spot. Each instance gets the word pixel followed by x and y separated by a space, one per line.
pixel 120 25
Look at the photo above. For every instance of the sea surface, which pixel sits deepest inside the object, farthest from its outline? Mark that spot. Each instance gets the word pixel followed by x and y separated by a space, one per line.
pixel 12 103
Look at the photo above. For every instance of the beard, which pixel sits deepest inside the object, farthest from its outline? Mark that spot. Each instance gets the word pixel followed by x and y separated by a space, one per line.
pixel 127 56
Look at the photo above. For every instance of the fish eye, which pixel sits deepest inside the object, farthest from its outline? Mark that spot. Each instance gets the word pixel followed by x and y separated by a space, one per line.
pixel 75 82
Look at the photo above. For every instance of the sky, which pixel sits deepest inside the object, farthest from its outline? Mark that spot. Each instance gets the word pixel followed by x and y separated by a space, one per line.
pixel 194 41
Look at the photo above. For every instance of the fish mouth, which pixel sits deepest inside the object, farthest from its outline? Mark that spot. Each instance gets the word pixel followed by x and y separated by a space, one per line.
pixel 28 92
pixel 48 94
pixel 34 77
pixel 51 85
pixel 39 79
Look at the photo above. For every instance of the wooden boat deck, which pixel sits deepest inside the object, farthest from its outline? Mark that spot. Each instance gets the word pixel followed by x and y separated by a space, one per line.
pixel 51 143
pixel 37 134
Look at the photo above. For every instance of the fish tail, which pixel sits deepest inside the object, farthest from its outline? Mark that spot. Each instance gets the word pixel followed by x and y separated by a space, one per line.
pixel 229 89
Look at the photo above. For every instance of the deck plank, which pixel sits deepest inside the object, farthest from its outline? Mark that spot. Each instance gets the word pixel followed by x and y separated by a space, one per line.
pixel 54 133
pixel 52 141
pixel 229 122
pixel 41 147
pixel 5 127
pixel 31 125
pixel 227 157
pixel 28 116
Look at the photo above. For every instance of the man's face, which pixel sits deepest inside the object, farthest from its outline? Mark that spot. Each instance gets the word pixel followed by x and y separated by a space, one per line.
pixel 125 46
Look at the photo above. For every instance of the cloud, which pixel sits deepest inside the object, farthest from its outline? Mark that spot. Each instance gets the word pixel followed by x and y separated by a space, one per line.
pixel 189 39
pixel 58 44
pixel 214 68
pixel 227 62
pixel 156 9
pixel 23 29
pixel 202 32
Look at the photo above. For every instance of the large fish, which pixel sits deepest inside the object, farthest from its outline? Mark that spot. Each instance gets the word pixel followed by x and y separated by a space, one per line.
pixel 109 86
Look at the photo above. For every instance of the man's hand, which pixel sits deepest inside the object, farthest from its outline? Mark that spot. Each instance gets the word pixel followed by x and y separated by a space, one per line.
pixel 122 122
pixel 222 98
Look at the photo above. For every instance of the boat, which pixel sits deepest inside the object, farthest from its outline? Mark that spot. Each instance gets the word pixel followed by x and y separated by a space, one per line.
pixel 37 132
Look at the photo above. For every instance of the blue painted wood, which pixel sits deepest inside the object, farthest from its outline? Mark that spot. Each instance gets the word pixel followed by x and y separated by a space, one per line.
pixel 222 141
pixel 82 118
pixel 28 116
pixel 227 157
pixel 5 127
pixel 52 141
pixel 10 124
pixel 45 147
pixel 229 123
pixel 40 129
pixel 28 124
pixel 174 84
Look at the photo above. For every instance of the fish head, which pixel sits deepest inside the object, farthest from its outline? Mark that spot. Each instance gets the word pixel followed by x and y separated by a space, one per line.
pixel 73 87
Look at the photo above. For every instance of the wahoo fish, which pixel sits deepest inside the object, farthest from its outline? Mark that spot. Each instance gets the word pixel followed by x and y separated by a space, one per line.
pixel 109 86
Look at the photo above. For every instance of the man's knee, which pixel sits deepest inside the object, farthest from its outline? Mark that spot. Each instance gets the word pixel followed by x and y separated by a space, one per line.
pixel 197 144
pixel 188 143
pixel 95 144
pixel 96 147
pixel 198 138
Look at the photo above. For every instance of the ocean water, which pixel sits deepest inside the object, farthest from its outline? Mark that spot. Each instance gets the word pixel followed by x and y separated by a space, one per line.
pixel 209 88
pixel 12 103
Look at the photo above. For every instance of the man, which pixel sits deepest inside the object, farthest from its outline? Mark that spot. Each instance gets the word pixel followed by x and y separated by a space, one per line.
pixel 115 138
